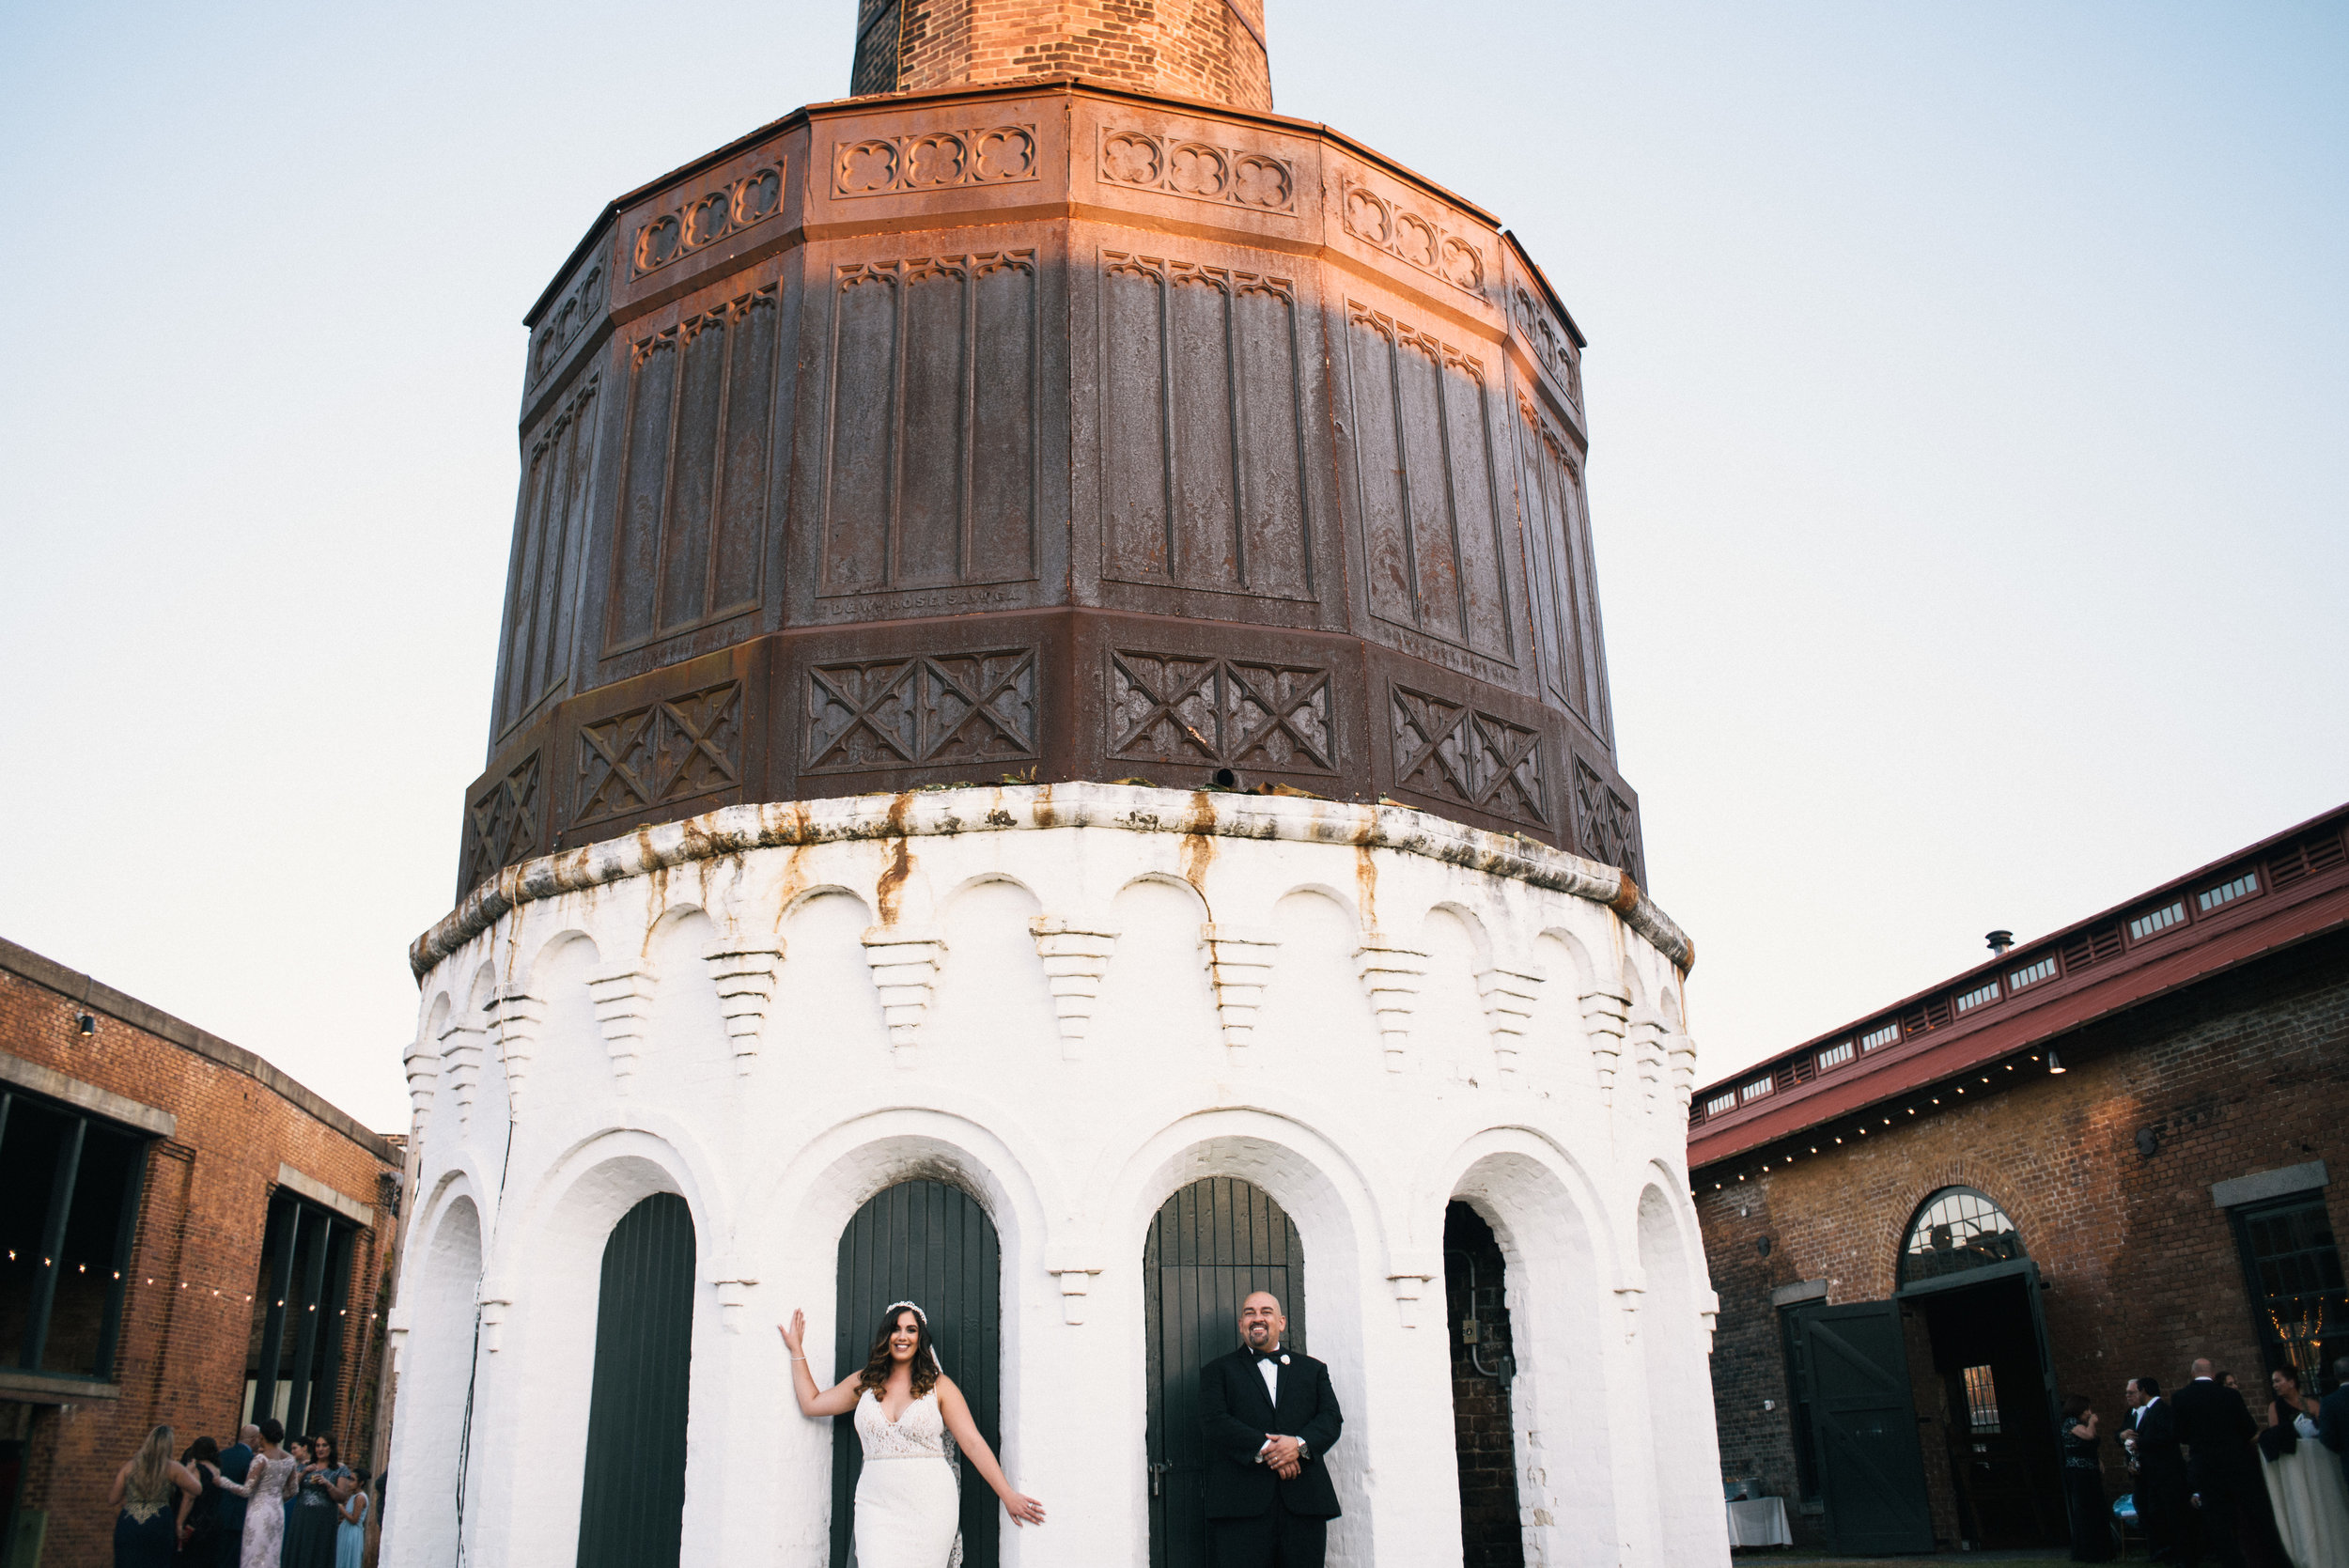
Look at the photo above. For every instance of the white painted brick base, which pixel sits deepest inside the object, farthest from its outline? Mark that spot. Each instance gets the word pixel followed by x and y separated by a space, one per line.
pixel 1077 1000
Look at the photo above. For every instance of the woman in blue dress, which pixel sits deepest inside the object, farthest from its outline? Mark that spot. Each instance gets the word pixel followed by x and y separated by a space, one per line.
pixel 350 1536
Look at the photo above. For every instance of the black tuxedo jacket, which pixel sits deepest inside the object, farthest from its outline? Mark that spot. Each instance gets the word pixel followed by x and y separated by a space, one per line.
pixel 2217 1425
pixel 2157 1456
pixel 236 1463
pixel 1235 1418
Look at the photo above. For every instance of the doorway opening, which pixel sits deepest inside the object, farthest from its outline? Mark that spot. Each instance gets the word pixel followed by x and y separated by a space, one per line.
pixel 929 1243
pixel 1483 1365
pixel 1965 1276
pixel 631 1509
pixel 1210 1246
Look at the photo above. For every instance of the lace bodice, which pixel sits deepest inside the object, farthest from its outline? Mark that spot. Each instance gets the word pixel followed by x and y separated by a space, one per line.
pixel 919 1434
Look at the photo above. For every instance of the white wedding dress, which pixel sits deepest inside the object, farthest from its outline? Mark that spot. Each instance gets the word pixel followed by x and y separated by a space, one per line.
pixel 908 1502
pixel 2312 1503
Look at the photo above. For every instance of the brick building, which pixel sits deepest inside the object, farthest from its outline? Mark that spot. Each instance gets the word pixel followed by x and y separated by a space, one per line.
pixel 189 1236
pixel 2097 1155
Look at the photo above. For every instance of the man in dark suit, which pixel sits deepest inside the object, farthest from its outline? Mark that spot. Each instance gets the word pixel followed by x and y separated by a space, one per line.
pixel 236 1463
pixel 2332 1416
pixel 2161 1489
pixel 2222 1466
pixel 1269 1417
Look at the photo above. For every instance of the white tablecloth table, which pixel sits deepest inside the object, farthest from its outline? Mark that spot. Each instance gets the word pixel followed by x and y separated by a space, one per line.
pixel 1759 1522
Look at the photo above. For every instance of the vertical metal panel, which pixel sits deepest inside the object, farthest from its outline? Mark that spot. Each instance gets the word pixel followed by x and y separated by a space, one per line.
pixel 126 1239
pixel 285 1221
pixel 1210 1246
pixel 929 1243
pixel 332 1327
pixel 632 1510
pixel 304 1312
pixel 52 1242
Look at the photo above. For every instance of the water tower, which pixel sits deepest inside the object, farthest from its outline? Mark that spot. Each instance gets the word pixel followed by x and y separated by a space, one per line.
pixel 1049 754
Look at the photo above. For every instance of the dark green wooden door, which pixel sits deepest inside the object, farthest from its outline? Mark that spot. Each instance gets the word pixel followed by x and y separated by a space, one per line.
pixel 1210 1246
pixel 931 1244
pixel 631 1508
pixel 1864 1421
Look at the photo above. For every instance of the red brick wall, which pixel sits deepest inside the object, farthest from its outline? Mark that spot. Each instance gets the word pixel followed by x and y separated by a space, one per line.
pixel 1185 48
pixel 2246 1072
pixel 1492 1534
pixel 183 1353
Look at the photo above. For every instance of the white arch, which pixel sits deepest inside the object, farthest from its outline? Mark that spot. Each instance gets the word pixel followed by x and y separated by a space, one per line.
pixel 1558 1259
pixel 544 1281
pixel 1691 1528
pixel 435 1367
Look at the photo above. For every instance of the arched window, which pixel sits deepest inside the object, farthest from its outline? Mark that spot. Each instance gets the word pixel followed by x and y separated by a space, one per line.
pixel 1957 1229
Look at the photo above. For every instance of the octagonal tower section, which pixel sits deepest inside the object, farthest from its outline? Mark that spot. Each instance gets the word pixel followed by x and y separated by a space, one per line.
pixel 1057 432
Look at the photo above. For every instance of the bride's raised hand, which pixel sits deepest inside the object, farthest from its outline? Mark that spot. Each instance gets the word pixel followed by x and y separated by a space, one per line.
pixel 1024 1510
pixel 795 1333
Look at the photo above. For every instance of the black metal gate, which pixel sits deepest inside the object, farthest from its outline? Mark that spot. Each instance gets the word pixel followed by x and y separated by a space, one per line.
pixel 631 1506
pixel 1210 1246
pixel 1864 1421
pixel 931 1244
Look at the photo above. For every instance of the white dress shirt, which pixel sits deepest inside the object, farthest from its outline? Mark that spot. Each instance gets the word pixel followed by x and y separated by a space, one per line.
pixel 1271 1368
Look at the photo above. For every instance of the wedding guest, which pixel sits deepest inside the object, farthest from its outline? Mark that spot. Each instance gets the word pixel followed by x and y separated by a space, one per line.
pixel 146 1528
pixel 312 1526
pixel 2161 1490
pixel 351 1535
pixel 271 1478
pixel 235 1460
pixel 2332 1416
pixel 2084 1482
pixel 2303 1485
pixel 199 1532
pixel 2222 1466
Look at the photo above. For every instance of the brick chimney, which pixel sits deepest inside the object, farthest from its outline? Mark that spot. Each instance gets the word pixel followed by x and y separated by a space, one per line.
pixel 1203 49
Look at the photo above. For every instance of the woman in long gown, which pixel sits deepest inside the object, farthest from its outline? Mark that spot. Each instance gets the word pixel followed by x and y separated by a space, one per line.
pixel 312 1523
pixel 199 1527
pixel 146 1528
pixel 908 1500
pixel 2304 1480
pixel 271 1479
pixel 2084 1482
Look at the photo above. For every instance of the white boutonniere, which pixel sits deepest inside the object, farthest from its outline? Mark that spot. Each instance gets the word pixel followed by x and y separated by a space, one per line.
pixel 1284 1360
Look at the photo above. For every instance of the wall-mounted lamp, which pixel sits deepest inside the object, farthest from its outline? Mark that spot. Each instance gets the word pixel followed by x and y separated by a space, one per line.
pixel 84 1024
pixel 2055 1062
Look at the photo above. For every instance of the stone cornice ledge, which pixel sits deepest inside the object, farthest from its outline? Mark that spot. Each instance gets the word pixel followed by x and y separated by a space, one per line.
pixel 1010 808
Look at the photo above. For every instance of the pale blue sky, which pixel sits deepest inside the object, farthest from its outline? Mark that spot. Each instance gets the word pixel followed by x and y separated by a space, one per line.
pixel 1968 400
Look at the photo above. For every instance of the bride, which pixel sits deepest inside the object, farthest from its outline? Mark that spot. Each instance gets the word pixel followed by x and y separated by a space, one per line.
pixel 908 1502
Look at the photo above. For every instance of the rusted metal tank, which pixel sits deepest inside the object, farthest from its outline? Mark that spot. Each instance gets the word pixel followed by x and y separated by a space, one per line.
pixel 1054 429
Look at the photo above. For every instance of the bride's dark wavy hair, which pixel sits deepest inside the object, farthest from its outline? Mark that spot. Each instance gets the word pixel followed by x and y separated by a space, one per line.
pixel 878 1361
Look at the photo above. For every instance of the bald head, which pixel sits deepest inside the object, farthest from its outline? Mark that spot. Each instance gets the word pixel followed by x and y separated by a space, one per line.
pixel 1261 1322
pixel 249 1436
pixel 2201 1366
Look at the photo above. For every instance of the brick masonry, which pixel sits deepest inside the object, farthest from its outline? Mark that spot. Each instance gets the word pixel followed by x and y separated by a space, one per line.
pixel 1202 49
pixel 2245 1072
pixel 183 1350
pixel 1483 1430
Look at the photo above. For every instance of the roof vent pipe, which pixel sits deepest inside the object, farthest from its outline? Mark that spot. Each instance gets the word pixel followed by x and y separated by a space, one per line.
pixel 2000 940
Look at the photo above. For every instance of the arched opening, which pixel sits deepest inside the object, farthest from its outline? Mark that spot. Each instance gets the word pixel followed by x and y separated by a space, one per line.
pixel 632 1510
pixel 1687 1505
pixel 435 1380
pixel 1210 1246
pixel 1483 1365
pixel 929 1243
pixel 1965 1273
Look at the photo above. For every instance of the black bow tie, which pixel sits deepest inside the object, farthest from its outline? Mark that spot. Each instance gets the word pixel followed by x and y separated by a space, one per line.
pixel 1266 1355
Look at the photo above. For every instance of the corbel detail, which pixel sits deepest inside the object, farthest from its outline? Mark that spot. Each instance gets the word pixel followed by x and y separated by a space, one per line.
pixel 1391 977
pixel 1076 1281
pixel 460 1064
pixel 1240 966
pixel 745 978
pixel 1409 1278
pixel 423 1063
pixel 1508 996
pixel 1680 1055
pixel 518 1018
pixel 905 963
pixel 1603 1024
pixel 1076 956
pixel 623 994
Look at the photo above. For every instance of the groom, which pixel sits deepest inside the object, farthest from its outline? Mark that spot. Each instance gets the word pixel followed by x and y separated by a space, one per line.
pixel 1269 1417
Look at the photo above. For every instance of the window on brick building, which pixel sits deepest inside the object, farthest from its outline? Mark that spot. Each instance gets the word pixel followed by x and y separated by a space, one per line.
pixel 294 1346
pixel 73 1181
pixel 1957 1229
pixel 2291 1272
